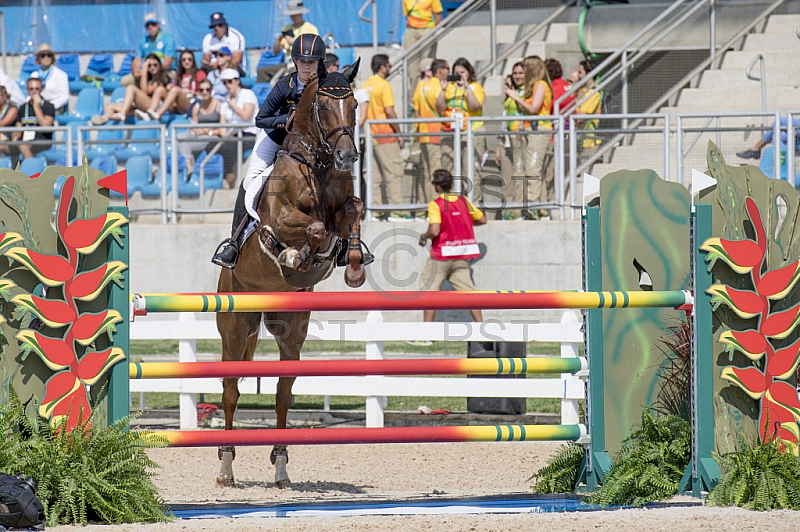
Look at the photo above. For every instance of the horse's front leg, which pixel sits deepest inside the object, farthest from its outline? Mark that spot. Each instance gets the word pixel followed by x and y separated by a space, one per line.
pixel 354 273
pixel 289 330
pixel 293 225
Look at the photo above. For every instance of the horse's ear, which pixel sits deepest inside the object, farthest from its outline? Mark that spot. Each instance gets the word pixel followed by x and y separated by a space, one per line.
pixel 351 71
pixel 322 72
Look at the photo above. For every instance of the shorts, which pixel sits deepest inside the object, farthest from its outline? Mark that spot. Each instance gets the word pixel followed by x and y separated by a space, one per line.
pixel 456 271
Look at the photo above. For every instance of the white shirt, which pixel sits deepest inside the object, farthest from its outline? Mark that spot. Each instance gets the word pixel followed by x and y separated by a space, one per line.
pixel 14 92
pixel 56 86
pixel 218 89
pixel 244 96
pixel 234 40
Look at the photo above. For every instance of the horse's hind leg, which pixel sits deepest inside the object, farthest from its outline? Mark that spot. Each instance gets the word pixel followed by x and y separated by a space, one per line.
pixel 239 338
pixel 289 330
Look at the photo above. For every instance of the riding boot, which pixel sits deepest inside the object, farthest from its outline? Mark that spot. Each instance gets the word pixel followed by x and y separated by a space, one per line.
pixel 228 251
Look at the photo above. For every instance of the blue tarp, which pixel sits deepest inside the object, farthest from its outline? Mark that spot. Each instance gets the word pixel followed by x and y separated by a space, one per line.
pixel 89 26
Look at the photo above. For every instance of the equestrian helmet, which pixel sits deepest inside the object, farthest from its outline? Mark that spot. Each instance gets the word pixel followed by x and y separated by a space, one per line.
pixel 308 47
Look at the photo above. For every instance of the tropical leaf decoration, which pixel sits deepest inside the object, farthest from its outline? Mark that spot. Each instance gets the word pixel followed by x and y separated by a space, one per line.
pixel 561 472
pixel 766 380
pixel 67 345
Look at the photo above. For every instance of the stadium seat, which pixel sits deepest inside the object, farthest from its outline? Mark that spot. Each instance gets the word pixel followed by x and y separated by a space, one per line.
pixel 103 150
pixel 5 162
pixel 262 91
pixel 69 64
pixel 57 153
pixel 182 174
pixel 108 165
pixel 150 149
pixel 214 175
pixel 767 165
pixel 269 59
pixel 140 172
pixel 152 189
pixel 32 166
pixel 89 103
pixel 112 82
pixel 117 95
pixel 100 66
pixel 28 66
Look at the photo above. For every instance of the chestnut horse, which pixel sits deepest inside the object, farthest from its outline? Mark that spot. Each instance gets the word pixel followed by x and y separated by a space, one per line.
pixel 309 222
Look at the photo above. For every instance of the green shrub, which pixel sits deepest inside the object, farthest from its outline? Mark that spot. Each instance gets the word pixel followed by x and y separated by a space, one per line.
pixel 87 474
pixel 759 476
pixel 650 464
pixel 561 472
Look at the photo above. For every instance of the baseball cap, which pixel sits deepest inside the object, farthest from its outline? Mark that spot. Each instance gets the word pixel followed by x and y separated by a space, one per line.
pixel 225 50
pixel 150 17
pixel 217 19
pixel 229 73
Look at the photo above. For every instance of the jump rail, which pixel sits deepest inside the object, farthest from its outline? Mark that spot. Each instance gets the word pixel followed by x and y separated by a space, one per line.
pixel 408 300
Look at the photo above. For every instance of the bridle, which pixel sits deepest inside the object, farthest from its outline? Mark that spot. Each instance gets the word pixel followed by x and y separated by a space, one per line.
pixel 345 129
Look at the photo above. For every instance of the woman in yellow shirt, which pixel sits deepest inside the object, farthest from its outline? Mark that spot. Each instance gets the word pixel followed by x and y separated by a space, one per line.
pixel 537 99
pixel 464 97
pixel 509 152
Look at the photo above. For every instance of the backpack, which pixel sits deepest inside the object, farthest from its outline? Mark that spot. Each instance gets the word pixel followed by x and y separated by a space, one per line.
pixel 19 505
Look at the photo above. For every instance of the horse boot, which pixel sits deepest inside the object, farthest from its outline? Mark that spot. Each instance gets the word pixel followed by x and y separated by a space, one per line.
pixel 227 252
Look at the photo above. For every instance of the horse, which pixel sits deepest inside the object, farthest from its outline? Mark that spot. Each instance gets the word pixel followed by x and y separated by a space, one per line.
pixel 309 223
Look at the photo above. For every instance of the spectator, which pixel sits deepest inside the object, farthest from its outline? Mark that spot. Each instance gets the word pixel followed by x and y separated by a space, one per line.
pixel 8 117
pixel 307 52
pixel 591 98
pixel 224 36
pixel 54 80
pixel 207 111
pixel 450 227
pixel 35 112
pixel 331 63
pixel 463 97
pixel 424 103
pixel 240 108
pixel 537 99
pixel 560 86
pixel 509 153
pixel 182 93
pixel 214 75
pixel 769 135
pixel 388 164
pixel 294 9
pixel 14 92
pixel 421 17
pixel 155 42
pixel 142 99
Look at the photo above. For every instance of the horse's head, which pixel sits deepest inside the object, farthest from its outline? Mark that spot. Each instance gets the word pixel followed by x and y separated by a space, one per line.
pixel 334 111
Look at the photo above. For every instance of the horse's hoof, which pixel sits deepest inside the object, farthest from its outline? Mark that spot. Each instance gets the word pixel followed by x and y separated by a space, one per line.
pixel 354 281
pixel 281 475
pixel 225 475
pixel 283 484
pixel 290 258
pixel 225 482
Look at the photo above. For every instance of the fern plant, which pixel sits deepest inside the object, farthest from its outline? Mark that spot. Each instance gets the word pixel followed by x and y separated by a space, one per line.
pixel 758 476
pixel 650 464
pixel 90 473
pixel 561 472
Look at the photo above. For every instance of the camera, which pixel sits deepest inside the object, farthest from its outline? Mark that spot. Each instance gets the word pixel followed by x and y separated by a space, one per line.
pixel 453 78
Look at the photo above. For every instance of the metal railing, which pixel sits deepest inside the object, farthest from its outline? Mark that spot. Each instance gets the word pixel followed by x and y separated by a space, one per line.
pixel 67 141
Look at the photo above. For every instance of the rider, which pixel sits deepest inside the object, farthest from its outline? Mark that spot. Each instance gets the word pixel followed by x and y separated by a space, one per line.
pixel 308 51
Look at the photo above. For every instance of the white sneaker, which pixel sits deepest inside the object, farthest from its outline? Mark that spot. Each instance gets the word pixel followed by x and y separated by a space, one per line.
pixel 141 115
pixel 99 120
pixel 153 115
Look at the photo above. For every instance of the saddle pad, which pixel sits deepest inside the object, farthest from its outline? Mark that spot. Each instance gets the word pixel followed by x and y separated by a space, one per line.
pixel 253 191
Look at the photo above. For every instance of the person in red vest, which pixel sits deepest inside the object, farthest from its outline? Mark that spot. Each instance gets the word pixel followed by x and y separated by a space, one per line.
pixel 450 227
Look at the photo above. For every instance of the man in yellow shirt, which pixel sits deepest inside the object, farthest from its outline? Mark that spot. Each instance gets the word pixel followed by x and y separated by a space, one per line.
pixel 425 107
pixel 387 163
pixel 421 17
pixel 294 9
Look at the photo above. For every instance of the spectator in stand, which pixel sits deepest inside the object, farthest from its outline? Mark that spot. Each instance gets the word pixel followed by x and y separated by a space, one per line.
pixel 331 63
pixel 182 93
pixel 12 88
pixel 424 103
pixel 537 99
pixel 224 36
pixel 240 108
pixel 142 99
pixel 155 42
pixel 388 163
pixel 591 98
pixel 207 111
pixel 214 75
pixel 421 17
pixel 769 135
pixel 286 37
pixel 54 80
pixel 559 86
pixel 35 112
pixel 450 227
pixel 8 117
pixel 464 97
pixel 509 153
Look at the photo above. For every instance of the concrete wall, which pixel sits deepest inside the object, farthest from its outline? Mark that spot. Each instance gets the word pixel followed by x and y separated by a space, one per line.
pixel 521 255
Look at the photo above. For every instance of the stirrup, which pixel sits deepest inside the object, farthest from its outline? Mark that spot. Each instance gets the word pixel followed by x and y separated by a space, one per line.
pixel 224 245
pixel 366 257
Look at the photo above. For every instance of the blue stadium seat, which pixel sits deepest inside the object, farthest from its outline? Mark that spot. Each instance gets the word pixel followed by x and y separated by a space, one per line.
pixel 32 166
pixel 100 66
pixel 262 91
pixel 89 103
pixel 117 95
pixel 112 82
pixel 152 189
pixel 57 153
pixel 140 172
pixel 69 64
pixel 28 66
pixel 5 162
pixel 140 148
pixel 269 59
pixel 103 150
pixel 214 174
pixel 108 165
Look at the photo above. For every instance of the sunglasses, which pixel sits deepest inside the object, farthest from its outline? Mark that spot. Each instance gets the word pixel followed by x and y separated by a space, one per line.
pixel 187 59
pixel 229 81
pixel 46 55
pixel 149 24
pixel 206 89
